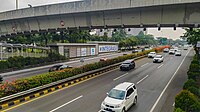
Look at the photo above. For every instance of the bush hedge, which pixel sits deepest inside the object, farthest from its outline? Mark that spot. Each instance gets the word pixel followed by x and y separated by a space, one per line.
pixel 178 110
pixel 19 62
pixel 189 99
pixel 46 78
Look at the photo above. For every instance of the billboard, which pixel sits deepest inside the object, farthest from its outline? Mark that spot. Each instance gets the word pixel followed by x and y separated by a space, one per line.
pixel 108 48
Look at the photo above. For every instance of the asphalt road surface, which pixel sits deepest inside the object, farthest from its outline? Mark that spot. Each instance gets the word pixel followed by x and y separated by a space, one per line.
pixel 157 84
pixel 34 71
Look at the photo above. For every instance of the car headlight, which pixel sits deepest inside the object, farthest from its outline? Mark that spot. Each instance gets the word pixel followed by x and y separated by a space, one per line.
pixel 117 106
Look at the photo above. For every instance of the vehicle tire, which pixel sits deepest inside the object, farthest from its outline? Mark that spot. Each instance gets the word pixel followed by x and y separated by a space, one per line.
pixel 123 110
pixel 135 101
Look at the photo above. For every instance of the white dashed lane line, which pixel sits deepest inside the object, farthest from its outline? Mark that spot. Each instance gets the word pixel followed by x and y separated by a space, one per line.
pixel 142 79
pixel 160 66
pixel 66 104
pixel 144 64
pixel 120 77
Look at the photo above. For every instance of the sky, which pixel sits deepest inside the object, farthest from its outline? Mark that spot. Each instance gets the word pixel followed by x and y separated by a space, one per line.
pixel 167 32
pixel 10 5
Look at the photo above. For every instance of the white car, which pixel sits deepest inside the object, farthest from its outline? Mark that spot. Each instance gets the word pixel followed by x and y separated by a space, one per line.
pixel 151 54
pixel 120 98
pixel 185 47
pixel 178 53
pixel 171 51
pixel 166 50
pixel 158 58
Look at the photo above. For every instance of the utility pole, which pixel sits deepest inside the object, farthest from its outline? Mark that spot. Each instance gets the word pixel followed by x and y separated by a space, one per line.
pixel 17 5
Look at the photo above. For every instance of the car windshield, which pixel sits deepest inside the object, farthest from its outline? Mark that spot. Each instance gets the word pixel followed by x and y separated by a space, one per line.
pixel 152 53
pixel 116 94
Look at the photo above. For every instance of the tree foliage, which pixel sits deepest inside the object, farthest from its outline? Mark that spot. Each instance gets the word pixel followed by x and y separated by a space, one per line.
pixel 192 36
pixel 82 36
pixel 187 101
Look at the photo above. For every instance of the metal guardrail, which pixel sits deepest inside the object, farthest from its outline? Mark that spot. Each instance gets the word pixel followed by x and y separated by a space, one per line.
pixel 23 93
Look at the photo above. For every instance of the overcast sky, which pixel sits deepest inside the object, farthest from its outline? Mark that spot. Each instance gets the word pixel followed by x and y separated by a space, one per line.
pixel 10 5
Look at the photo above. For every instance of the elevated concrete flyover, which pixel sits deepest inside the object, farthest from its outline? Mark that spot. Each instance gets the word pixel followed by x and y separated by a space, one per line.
pixel 89 14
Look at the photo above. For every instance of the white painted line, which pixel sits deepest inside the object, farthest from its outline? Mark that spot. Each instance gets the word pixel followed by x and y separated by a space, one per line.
pixel 144 64
pixel 142 79
pixel 120 77
pixel 173 104
pixel 160 66
pixel 154 106
pixel 66 103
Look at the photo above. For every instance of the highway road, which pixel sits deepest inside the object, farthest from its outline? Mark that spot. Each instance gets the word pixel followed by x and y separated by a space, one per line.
pixel 39 70
pixel 157 84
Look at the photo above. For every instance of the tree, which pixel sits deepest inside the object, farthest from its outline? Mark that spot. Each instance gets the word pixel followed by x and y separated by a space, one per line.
pixel 192 36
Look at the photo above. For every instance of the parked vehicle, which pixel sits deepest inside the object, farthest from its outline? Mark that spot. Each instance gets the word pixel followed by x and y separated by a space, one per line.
pixel 127 65
pixel 59 67
pixel 120 98
pixel 158 59
pixel 151 54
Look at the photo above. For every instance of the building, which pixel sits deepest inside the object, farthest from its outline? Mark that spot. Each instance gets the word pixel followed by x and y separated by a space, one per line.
pixel 73 50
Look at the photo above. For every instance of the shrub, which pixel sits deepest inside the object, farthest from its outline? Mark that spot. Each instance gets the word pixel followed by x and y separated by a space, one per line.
pixel 193 75
pixel 187 102
pixel 195 91
pixel 20 62
pixel 190 83
pixel 4 65
pixel 178 110
pixel 194 67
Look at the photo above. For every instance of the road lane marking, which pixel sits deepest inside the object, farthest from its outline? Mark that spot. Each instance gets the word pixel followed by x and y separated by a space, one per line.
pixel 120 77
pixel 142 79
pixel 66 103
pixel 160 66
pixel 154 106
pixel 173 104
pixel 144 64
